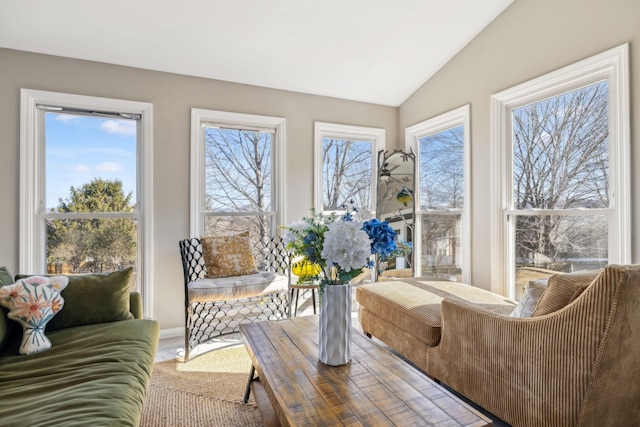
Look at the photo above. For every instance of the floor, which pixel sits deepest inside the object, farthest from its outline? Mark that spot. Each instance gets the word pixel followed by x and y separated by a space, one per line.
pixel 172 348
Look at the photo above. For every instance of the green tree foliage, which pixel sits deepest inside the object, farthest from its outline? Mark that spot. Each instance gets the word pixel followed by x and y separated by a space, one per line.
pixel 93 244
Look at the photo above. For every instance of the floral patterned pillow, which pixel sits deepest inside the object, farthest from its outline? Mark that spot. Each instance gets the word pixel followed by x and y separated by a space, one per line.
pixel 32 302
pixel 226 256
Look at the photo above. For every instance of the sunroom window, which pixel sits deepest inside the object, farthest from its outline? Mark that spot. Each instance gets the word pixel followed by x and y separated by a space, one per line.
pixel 236 174
pixel 345 171
pixel 85 186
pixel 441 145
pixel 561 144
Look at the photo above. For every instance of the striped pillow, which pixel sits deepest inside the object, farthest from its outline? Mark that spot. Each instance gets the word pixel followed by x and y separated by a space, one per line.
pixel 562 289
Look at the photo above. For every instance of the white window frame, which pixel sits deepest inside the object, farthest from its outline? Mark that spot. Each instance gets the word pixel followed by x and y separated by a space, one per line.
pixel 454 118
pixel 32 244
pixel 200 118
pixel 612 65
pixel 321 130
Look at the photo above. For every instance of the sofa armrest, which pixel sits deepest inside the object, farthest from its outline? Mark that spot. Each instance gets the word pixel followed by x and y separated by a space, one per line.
pixel 528 371
pixel 135 302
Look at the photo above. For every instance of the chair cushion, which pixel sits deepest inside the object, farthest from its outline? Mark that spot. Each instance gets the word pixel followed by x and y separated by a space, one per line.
pixel 234 287
pixel 562 289
pixel 226 256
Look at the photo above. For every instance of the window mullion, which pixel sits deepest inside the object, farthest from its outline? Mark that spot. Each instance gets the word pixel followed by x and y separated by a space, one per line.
pixel 88 215
pixel 563 212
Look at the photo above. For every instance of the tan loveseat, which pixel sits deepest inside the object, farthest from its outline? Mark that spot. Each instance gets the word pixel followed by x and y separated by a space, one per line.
pixel 570 364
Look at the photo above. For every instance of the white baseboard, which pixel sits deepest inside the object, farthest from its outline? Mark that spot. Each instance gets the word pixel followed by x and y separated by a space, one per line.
pixel 171 333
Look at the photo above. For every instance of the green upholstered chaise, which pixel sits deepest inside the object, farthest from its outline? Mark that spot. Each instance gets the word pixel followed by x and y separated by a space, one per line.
pixel 95 374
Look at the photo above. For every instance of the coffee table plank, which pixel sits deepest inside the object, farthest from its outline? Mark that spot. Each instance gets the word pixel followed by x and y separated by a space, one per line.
pixel 340 380
pixel 422 397
pixel 310 384
pixel 280 383
pixel 317 382
pixel 435 394
pixel 274 355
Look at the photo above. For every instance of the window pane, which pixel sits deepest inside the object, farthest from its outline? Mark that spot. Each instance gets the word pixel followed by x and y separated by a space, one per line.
pixel 238 170
pixel 346 173
pixel 561 243
pixel 441 252
pixel 561 151
pixel 442 170
pixel 90 245
pixel 84 149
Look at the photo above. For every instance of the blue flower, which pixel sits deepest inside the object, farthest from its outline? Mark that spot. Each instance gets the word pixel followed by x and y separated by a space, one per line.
pixel 382 237
pixel 311 254
pixel 310 238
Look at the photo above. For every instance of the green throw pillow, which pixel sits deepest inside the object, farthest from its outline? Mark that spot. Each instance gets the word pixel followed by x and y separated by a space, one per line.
pixel 94 298
pixel 5 323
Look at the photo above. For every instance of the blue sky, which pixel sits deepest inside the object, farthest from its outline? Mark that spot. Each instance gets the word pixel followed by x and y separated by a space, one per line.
pixel 81 148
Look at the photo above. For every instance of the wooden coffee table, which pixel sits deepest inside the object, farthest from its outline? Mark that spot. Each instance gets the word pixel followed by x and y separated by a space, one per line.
pixel 375 388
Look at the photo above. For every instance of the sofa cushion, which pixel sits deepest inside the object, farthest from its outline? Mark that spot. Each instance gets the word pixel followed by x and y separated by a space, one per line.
pixel 94 375
pixel 6 325
pixel 414 306
pixel 94 298
pixel 530 298
pixel 562 289
pixel 32 302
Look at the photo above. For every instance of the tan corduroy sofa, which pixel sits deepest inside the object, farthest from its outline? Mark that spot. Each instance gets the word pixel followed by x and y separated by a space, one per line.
pixel 575 362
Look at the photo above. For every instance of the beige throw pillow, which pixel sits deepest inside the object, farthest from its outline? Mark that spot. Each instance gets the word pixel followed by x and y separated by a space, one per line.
pixel 226 256
pixel 530 298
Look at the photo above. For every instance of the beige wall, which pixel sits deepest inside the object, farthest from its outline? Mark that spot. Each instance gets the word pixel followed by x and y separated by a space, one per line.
pixel 529 39
pixel 172 97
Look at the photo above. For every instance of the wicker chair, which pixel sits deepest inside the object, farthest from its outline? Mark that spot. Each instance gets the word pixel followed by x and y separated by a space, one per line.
pixel 215 307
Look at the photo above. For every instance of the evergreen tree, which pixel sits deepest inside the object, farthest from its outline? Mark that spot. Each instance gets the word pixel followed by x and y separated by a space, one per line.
pixel 94 244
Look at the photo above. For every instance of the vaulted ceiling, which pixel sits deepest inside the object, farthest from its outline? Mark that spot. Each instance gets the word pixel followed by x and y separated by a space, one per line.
pixel 377 51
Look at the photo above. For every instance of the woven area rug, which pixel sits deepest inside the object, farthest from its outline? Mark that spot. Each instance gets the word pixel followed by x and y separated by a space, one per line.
pixel 206 391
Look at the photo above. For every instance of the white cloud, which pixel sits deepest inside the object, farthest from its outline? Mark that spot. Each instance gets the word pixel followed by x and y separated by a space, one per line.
pixel 81 169
pixel 119 127
pixel 110 167
pixel 66 117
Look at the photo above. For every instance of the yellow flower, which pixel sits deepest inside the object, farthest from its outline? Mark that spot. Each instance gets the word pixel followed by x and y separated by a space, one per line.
pixel 305 269
pixel 56 305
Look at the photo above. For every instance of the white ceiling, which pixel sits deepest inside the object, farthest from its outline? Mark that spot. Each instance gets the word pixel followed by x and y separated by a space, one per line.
pixel 377 51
